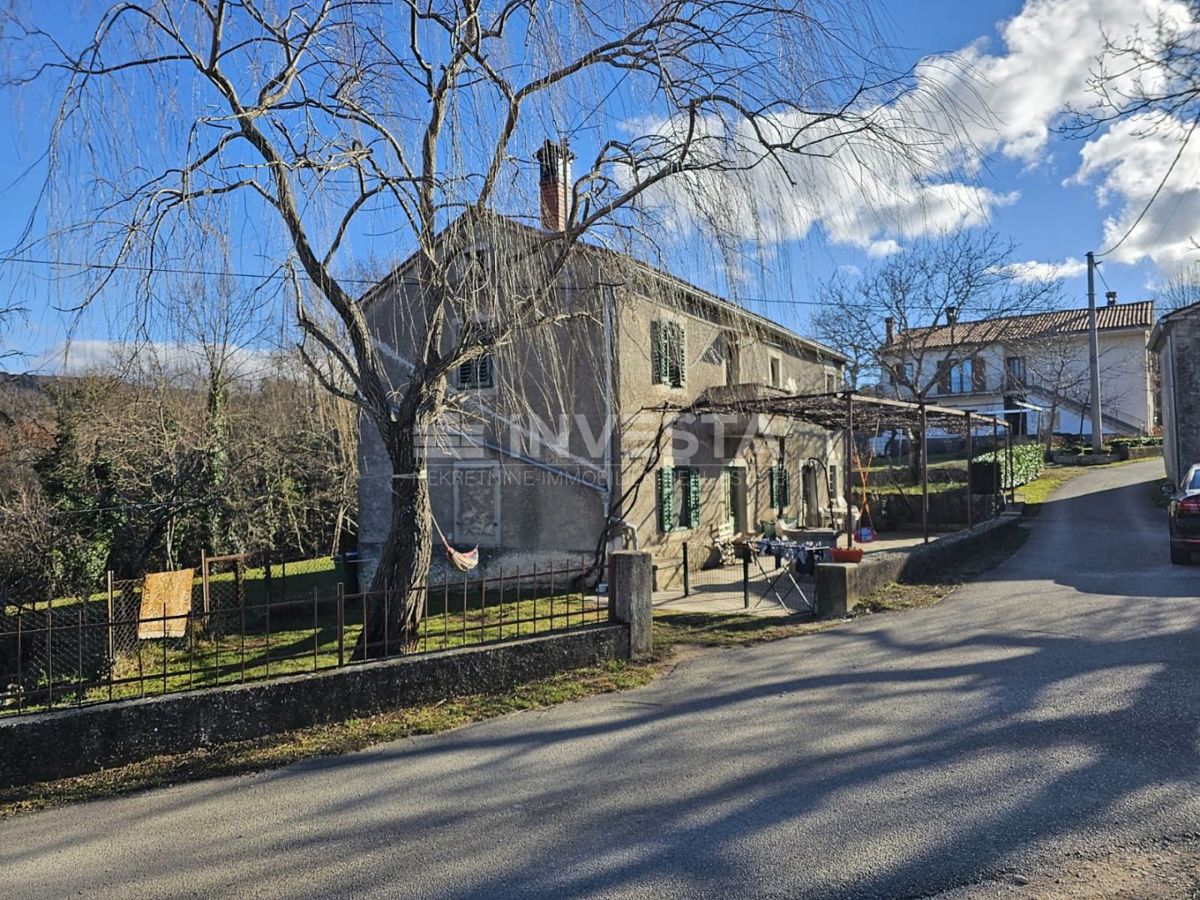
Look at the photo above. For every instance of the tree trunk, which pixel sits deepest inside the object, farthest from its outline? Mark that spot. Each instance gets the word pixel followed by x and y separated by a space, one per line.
pixel 395 600
pixel 914 456
pixel 1050 429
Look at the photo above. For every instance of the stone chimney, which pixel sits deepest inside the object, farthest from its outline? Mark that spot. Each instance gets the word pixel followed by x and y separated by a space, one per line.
pixel 889 325
pixel 951 315
pixel 1111 297
pixel 554 184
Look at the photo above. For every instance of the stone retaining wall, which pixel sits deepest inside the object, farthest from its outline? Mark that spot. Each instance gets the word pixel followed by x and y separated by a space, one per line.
pixel 59 744
pixel 840 586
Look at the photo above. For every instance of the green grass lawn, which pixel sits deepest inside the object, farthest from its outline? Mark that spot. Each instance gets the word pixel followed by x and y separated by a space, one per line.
pixel 1038 491
pixel 305 639
pixel 935 487
pixel 278 581
pixel 1054 476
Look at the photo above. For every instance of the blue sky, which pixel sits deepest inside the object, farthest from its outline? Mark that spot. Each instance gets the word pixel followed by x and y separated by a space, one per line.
pixel 1056 197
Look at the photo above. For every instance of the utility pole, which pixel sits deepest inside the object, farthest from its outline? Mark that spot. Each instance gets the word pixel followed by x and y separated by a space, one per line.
pixel 1094 358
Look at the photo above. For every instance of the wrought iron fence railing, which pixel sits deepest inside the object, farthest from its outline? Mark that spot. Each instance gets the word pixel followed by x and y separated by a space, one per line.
pixel 102 649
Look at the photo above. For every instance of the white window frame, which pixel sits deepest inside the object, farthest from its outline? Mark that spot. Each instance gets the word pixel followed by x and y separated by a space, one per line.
pixel 775 370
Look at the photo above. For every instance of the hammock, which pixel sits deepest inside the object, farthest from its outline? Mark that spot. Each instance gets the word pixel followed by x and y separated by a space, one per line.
pixel 464 562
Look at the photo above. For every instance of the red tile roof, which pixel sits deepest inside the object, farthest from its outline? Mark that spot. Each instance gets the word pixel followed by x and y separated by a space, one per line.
pixel 1014 328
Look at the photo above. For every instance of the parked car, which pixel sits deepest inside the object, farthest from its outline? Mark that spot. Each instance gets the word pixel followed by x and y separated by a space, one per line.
pixel 1183 516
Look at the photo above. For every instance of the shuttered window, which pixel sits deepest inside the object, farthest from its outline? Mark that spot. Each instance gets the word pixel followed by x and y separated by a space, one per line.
pixel 678 498
pixel 476 373
pixel 691 497
pixel 666 499
pixel 781 486
pixel 668 353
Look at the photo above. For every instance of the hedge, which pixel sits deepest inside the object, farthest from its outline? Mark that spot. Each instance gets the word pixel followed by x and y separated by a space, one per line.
pixel 1028 461
pixel 1150 441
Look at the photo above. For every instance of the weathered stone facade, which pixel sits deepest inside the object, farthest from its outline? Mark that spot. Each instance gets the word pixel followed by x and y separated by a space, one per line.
pixel 533 482
pixel 1176 340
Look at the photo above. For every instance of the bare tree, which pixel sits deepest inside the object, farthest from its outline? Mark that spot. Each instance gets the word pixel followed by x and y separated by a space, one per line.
pixel 335 121
pixel 885 320
pixel 1151 78
pixel 1179 289
pixel 1154 71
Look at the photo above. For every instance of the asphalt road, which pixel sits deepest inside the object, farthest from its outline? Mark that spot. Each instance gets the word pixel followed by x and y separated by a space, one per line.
pixel 1051 708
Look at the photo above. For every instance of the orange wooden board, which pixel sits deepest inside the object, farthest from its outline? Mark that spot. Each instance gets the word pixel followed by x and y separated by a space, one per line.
pixel 169 593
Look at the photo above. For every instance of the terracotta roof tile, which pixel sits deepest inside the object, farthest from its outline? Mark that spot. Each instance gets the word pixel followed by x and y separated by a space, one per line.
pixel 1011 328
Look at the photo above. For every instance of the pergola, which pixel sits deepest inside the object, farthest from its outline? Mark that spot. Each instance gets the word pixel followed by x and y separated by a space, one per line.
pixel 847 411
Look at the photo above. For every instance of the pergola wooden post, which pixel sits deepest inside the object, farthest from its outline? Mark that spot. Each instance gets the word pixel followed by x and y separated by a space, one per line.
pixel 924 474
pixel 849 467
pixel 1008 457
pixel 970 493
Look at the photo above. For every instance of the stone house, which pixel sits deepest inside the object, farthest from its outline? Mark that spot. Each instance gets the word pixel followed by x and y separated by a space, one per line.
pixel 1176 341
pixel 571 437
pixel 1030 367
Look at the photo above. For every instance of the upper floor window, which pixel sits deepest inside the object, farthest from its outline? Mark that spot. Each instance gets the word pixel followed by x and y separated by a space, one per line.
pixel 476 373
pixel 961 372
pixel 961 376
pixel 776 372
pixel 668 353
pixel 904 375
pixel 1015 367
pixel 731 359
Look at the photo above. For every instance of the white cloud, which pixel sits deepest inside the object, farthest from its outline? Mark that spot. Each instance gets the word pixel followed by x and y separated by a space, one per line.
pixel 1044 271
pixel 965 107
pixel 1050 51
pixel 1128 164
pixel 87 356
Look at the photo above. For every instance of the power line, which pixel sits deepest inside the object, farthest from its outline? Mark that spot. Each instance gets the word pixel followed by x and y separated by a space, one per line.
pixel 279 276
pixel 1158 190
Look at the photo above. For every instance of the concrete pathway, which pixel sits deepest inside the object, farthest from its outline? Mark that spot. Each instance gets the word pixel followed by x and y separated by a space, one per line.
pixel 1049 709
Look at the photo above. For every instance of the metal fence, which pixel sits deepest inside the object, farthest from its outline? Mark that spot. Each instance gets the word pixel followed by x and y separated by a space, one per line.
pixel 97 649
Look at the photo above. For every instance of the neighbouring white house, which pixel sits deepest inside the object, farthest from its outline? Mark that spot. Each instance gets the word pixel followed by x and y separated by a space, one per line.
pixel 1033 369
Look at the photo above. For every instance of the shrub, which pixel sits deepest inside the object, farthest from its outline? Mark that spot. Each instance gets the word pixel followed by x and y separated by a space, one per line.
pixel 1027 464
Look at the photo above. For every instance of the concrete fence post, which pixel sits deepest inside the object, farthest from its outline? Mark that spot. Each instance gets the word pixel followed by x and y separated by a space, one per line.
pixel 629 585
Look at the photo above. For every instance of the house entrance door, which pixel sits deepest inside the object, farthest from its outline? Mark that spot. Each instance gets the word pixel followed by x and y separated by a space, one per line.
pixel 735 497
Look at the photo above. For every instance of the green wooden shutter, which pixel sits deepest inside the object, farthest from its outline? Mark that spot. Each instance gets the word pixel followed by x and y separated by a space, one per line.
pixel 656 355
pixel 666 499
pixel 680 350
pixel 660 351
pixel 785 479
pixel 774 479
pixel 693 497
